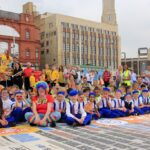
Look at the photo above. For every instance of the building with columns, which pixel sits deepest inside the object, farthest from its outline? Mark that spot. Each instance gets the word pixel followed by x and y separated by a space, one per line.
pixel 67 40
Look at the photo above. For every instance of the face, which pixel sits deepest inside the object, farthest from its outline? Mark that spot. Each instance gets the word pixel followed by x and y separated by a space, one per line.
pixel 81 98
pixel 92 98
pixel 41 92
pixel 95 83
pixel 97 92
pixel 128 97
pixel 84 80
pixel 5 94
pixel 86 94
pixel 145 94
pixel 136 95
pixel 17 65
pixel 19 97
pixel 118 95
pixel 125 67
pixel 74 98
pixel 60 97
pixel 46 66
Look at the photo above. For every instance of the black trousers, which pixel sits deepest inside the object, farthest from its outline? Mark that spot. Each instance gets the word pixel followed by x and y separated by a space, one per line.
pixel 18 81
pixel 27 83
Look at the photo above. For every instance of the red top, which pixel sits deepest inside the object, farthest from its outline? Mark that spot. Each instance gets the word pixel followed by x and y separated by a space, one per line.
pixel 106 76
pixel 41 104
pixel 37 75
pixel 28 72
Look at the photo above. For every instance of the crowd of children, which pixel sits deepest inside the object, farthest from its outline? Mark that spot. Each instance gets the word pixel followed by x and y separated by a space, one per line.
pixel 45 107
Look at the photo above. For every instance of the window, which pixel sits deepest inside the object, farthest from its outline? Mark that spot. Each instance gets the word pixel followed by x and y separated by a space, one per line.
pixel 47 51
pixel 47 43
pixel 27 52
pixel 27 34
pixel 42 52
pixel 37 53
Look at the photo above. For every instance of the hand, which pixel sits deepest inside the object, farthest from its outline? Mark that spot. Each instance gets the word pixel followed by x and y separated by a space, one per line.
pixel 3 122
pixel 43 121
pixel 37 119
pixel 98 114
pixel 81 121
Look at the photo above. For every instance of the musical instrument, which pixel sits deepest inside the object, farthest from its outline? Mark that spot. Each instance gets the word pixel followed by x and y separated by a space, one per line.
pixel 17 74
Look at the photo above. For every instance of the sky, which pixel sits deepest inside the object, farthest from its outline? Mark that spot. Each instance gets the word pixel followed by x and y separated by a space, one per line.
pixel 133 17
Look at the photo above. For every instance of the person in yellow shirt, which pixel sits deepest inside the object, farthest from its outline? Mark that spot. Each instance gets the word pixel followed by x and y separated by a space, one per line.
pixel 61 79
pixel 54 76
pixel 32 80
pixel 47 73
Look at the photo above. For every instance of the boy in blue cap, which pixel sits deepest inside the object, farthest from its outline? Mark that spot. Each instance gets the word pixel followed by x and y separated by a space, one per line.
pixel 137 102
pixel 146 101
pixel 129 105
pixel 75 114
pixel 105 104
pixel 60 105
pixel 118 105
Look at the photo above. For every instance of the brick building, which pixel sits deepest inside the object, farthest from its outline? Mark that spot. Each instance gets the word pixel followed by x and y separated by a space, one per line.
pixel 20 36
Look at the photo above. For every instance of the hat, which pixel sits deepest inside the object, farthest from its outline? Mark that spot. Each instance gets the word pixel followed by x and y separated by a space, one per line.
pixel 127 94
pixel 92 94
pixel 61 93
pixel 119 91
pixel 145 91
pixel 106 89
pixel 41 84
pixel 135 92
pixel 18 92
pixel 73 93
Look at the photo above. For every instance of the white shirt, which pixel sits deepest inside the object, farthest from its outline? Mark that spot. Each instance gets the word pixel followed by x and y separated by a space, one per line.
pixel 137 102
pixel 119 103
pixel 77 109
pixel 57 104
pixel 143 99
pixel 7 104
pixel 104 102
pixel 133 77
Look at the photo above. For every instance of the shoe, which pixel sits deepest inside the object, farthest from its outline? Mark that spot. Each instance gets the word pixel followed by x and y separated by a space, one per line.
pixel 53 124
pixel 12 124
pixel 75 124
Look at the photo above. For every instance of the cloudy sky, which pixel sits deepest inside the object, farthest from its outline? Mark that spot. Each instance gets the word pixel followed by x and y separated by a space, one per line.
pixel 133 17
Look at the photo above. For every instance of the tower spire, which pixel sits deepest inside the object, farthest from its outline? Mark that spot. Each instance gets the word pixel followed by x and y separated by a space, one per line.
pixel 109 13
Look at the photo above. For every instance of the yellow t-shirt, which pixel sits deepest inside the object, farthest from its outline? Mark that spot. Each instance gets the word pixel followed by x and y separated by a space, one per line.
pixel 48 74
pixel 32 81
pixel 55 76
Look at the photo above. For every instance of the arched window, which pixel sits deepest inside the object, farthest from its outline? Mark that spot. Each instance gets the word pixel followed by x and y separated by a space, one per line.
pixel 27 34
pixel 27 52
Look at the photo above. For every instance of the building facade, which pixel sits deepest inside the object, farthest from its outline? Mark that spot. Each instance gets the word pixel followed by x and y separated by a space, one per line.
pixel 67 40
pixel 20 36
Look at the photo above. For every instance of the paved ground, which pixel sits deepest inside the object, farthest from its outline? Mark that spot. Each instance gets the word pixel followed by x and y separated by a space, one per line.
pixel 132 133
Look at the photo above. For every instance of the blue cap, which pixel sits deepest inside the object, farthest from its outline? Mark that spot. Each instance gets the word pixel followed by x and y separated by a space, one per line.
pixel 106 89
pixel 135 92
pixel 127 94
pixel 145 91
pixel 119 91
pixel 73 93
pixel 61 93
pixel 92 94
pixel 18 92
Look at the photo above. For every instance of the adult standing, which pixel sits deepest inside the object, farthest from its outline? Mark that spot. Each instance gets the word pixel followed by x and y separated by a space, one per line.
pixel 17 75
pixel 127 76
pixel 27 73
pixel 54 76
pixel 47 73
pixel 106 77
pixel 61 79
pixel 119 74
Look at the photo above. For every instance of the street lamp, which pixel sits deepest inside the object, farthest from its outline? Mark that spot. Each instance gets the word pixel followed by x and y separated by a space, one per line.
pixel 124 56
